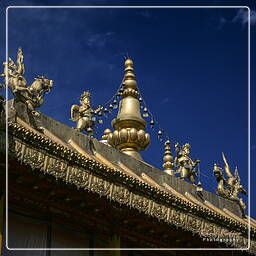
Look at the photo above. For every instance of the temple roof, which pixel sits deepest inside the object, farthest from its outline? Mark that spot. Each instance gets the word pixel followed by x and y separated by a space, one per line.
pixel 80 160
pixel 113 168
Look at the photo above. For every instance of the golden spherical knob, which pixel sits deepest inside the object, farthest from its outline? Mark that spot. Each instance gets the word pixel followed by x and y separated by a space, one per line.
pixel 130 83
pixel 107 131
pixel 128 62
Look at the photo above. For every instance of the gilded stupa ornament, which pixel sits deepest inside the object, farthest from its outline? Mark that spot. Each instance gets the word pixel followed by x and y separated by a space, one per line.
pixel 229 188
pixel 129 135
pixel 33 95
pixel 84 115
pixel 168 159
pixel 186 166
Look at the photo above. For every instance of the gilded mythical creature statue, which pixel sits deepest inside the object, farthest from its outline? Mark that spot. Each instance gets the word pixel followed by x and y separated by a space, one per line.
pixel 229 188
pixel 83 114
pixel 32 96
pixel 186 166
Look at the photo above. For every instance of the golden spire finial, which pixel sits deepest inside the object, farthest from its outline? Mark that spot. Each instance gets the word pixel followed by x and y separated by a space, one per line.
pixel 129 77
pixel 106 133
pixel 129 135
pixel 168 159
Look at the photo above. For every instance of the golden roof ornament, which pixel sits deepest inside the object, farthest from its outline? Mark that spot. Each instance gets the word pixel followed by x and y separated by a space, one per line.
pixel 104 137
pixel 231 187
pixel 106 133
pixel 168 159
pixel 129 135
pixel 33 95
pixel 186 166
pixel 83 115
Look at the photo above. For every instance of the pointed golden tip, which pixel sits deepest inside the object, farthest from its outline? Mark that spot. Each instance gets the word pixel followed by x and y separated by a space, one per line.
pixel 128 62
pixel 129 76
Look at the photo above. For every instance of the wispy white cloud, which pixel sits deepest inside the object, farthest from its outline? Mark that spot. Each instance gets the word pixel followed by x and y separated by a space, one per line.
pixel 164 101
pixel 146 14
pixel 241 17
pixel 99 40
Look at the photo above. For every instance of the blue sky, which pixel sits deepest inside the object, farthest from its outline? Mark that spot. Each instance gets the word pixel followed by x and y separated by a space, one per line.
pixel 191 67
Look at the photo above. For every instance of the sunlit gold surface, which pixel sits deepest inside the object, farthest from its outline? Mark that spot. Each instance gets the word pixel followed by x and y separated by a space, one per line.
pixel 33 95
pixel 129 135
pixel 82 115
pixel 106 133
pixel 168 159
pixel 186 166
pixel 229 188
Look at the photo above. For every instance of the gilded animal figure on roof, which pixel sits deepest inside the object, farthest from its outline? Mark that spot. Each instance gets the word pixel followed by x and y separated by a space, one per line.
pixel 33 95
pixel 229 187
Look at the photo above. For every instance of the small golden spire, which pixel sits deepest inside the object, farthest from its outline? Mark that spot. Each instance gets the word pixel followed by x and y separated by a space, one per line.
pixel 168 159
pixel 106 133
pixel 129 135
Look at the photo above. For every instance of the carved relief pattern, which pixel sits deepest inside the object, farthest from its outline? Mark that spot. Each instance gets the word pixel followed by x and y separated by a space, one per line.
pixel 159 211
pixel 56 168
pixel 121 194
pixel 195 224
pixel 141 203
pixel 76 177
pixel 99 186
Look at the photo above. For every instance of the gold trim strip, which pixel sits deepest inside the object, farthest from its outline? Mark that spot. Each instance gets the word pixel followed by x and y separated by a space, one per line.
pixel 27 126
pixel 176 193
pixel 130 172
pixel 148 179
pixel 53 137
pixel 79 149
pixel 194 200
pixel 216 209
pixel 234 216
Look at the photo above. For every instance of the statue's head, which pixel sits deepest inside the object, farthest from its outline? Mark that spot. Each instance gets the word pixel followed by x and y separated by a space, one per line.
pixel 45 83
pixel 85 98
pixel 217 171
pixel 186 148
